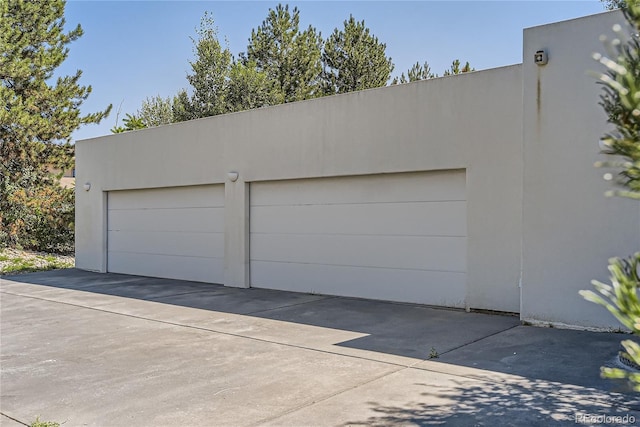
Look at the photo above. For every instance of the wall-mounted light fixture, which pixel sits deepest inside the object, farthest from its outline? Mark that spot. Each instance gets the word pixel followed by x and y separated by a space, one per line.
pixel 233 176
pixel 87 186
pixel 541 58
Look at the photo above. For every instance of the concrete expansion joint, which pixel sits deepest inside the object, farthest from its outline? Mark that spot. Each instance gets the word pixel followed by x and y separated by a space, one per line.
pixel 291 305
pixel 479 339
pixel 171 295
pixel 403 366
pixel 329 396
pixel 13 419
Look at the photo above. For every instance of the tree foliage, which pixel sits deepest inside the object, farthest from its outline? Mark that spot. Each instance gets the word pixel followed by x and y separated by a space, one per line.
pixel 156 111
pixel 38 116
pixel 282 64
pixel 423 72
pixel 354 59
pixel 289 57
pixel 613 4
pixel 621 102
pixel 249 88
pixel 457 69
pixel 415 73
pixel 181 107
pixel 208 79
pixel 130 122
pixel 39 217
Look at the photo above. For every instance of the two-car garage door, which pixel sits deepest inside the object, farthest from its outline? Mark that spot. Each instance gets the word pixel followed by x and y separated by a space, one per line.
pixel 399 237
pixel 175 232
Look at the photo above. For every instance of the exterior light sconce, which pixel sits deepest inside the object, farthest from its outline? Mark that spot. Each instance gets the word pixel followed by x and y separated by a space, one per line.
pixel 87 186
pixel 541 58
pixel 233 176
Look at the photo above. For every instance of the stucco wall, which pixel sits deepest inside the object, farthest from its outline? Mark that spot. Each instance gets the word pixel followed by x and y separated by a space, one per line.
pixel 470 122
pixel 570 227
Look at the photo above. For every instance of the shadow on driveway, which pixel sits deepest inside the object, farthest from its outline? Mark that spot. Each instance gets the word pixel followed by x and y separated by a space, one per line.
pixel 464 403
pixel 488 342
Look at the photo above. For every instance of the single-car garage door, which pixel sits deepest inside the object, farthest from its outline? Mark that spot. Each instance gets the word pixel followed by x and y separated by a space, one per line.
pixel 175 232
pixel 398 237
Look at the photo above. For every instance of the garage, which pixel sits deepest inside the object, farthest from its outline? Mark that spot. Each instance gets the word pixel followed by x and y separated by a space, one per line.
pixel 175 232
pixel 398 237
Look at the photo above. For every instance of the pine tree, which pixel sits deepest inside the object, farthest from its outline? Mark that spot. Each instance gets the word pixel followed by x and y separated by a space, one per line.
pixel 38 115
pixel 290 58
pixel 354 59
pixel 415 73
pixel 621 102
pixel 456 69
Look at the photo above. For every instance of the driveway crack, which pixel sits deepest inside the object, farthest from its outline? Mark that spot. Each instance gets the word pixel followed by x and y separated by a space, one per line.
pixel 13 419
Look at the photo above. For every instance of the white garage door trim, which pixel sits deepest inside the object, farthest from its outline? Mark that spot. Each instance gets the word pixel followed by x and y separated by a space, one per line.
pixel 173 232
pixel 399 237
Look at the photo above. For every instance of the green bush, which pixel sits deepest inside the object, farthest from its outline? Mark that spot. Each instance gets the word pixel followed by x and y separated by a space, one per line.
pixel 38 217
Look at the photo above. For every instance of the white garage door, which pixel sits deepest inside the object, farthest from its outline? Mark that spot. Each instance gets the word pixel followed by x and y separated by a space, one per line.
pixel 175 232
pixel 398 237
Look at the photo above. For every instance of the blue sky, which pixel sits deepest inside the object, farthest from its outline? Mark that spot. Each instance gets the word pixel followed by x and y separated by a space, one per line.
pixel 134 49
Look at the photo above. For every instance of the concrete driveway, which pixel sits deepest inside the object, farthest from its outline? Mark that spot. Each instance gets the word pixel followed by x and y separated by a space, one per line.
pixel 114 350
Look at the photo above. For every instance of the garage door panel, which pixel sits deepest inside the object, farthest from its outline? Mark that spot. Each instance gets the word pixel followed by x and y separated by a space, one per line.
pixel 402 252
pixel 207 220
pixel 416 286
pixel 398 237
pixel 168 243
pixel 175 232
pixel 441 185
pixel 414 218
pixel 172 267
pixel 174 197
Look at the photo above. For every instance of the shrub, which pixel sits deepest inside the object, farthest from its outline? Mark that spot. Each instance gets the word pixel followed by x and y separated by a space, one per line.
pixel 38 217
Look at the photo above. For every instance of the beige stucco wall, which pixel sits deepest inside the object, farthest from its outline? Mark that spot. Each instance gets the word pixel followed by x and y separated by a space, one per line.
pixel 470 122
pixel 570 227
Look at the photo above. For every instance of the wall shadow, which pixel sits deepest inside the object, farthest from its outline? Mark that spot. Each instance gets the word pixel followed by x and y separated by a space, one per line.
pixel 486 342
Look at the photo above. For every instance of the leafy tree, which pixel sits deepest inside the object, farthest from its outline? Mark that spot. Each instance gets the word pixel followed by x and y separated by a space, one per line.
pixel 354 59
pixel 37 119
pixel 181 108
pixel 613 4
pixel 209 76
pixel 415 73
pixel 621 102
pixel 131 122
pixel 290 58
pixel 248 88
pixel 156 111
